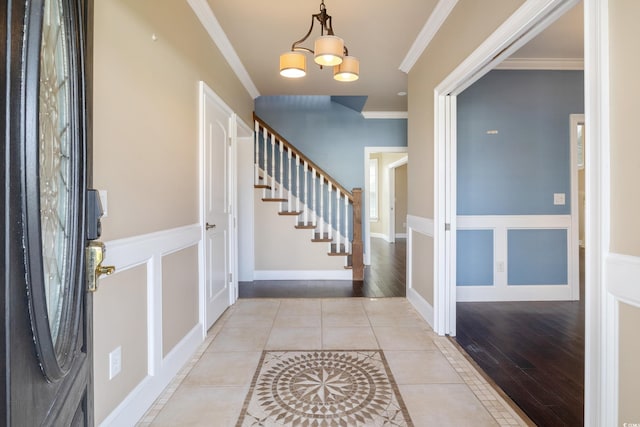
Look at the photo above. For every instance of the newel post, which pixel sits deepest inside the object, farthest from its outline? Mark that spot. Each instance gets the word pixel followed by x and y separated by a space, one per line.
pixel 356 245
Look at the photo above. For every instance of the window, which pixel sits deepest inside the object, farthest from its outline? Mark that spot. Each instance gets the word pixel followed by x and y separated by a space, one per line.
pixel 373 189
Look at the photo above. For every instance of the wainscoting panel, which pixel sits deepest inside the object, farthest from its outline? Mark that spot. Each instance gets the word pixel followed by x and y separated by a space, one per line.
pixel 534 258
pixel 420 290
pixel 149 250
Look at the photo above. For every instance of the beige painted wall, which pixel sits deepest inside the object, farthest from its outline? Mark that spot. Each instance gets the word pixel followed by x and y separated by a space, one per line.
pixel 146 111
pixel 625 175
pixel 280 246
pixel 629 366
pixel 120 320
pixel 145 154
pixel 421 268
pixel 179 296
pixel 401 199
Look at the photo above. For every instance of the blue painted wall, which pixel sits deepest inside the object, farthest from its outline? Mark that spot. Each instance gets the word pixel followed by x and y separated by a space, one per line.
pixel 330 134
pixel 472 250
pixel 517 170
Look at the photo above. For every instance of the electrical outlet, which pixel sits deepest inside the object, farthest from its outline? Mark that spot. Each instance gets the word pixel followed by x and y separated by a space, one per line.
pixel 558 198
pixel 115 362
pixel 500 266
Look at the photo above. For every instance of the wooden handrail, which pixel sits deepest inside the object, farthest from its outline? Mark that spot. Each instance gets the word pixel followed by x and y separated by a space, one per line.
pixel 319 172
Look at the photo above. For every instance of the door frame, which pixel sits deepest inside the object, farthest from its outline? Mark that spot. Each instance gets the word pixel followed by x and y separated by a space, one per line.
pixel 392 196
pixel 601 332
pixel 366 235
pixel 237 129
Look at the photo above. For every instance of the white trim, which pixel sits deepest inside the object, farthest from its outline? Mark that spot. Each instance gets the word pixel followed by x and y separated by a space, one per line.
pixel 210 23
pixel 401 162
pixel 134 406
pixel 421 305
pixel 601 380
pixel 431 27
pixel 623 278
pixel 366 235
pixel 379 236
pixel 420 225
pixel 345 274
pixel 541 64
pixel 401 235
pixel 133 251
pixel 385 114
pixel 574 261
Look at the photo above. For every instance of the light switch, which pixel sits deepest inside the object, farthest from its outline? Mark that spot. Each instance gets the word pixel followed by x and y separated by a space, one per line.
pixel 103 201
pixel 558 199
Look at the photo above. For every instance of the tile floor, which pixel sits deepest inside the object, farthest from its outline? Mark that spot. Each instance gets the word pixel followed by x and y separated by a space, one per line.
pixel 437 384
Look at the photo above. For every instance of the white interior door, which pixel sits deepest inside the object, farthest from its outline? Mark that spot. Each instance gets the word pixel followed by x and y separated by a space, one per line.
pixel 217 209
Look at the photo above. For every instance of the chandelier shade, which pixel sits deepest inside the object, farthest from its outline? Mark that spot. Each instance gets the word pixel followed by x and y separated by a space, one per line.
pixel 293 65
pixel 348 70
pixel 328 51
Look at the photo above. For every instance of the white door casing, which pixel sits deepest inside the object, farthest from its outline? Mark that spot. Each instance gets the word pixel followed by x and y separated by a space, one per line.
pixel 217 172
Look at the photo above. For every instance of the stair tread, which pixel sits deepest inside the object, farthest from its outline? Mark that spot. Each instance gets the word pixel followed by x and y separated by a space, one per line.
pixel 273 199
pixel 262 186
pixel 303 226
pixel 292 213
pixel 338 253
pixel 322 240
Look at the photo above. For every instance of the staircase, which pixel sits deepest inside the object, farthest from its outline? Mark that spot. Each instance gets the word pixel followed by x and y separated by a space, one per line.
pixel 310 195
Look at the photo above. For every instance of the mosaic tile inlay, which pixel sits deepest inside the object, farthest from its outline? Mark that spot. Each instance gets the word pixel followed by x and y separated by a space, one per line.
pixel 323 388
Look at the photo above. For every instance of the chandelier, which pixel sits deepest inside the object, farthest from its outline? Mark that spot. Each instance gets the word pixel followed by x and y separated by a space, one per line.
pixel 328 51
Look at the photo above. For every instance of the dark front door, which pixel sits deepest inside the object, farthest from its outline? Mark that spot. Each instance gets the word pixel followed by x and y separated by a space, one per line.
pixel 46 321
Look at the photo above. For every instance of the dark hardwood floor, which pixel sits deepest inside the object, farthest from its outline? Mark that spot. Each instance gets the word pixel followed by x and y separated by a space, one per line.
pixel 385 277
pixel 534 351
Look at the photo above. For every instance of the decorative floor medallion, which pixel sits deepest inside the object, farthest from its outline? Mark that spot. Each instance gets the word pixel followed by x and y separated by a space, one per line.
pixel 323 388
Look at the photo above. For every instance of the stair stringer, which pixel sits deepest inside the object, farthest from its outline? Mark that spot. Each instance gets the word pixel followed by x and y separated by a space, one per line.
pixel 283 252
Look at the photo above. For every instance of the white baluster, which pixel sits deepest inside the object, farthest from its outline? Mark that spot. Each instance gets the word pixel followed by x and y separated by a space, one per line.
pixel 265 138
pixel 290 187
pixel 273 166
pixel 346 224
pixel 338 219
pixel 297 183
pixel 321 206
pixel 306 193
pixel 256 164
pixel 329 210
pixel 281 171
pixel 313 197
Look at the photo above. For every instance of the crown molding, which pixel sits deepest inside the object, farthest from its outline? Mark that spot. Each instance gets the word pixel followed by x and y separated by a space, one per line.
pixel 431 27
pixel 541 64
pixel 210 23
pixel 385 114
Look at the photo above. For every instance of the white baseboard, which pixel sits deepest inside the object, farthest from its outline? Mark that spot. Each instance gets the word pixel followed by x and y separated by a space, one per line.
pixel 380 236
pixel 513 293
pixel 134 406
pixel 421 305
pixel 401 235
pixel 303 275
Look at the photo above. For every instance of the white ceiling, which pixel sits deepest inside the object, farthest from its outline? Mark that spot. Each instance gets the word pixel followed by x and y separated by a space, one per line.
pixel 380 33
